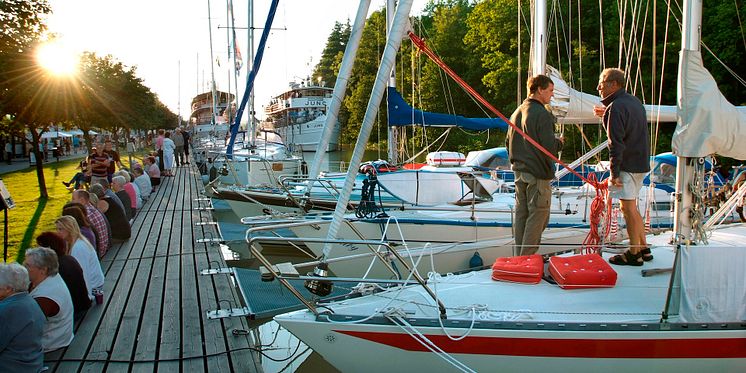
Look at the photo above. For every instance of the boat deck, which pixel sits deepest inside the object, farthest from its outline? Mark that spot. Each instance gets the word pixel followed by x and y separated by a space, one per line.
pixel 154 314
pixel 634 299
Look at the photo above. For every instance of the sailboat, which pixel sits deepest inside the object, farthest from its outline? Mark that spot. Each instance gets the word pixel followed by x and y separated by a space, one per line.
pixel 687 312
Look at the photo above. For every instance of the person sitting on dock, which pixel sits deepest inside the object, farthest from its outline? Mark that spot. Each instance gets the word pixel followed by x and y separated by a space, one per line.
pixel 117 186
pixel 77 211
pixel 153 171
pixel 70 271
pixel 133 191
pixel 21 320
pixel 99 223
pixel 98 164
pixel 50 292
pixel 143 182
pixel 120 227
pixel 82 250
pixel 82 177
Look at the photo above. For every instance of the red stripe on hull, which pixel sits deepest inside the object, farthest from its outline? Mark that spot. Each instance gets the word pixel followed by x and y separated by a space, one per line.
pixel 571 348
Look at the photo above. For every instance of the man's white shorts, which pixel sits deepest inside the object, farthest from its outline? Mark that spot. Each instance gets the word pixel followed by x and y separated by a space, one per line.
pixel 631 185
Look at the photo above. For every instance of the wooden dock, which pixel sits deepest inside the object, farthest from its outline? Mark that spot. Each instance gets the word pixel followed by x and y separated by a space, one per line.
pixel 154 315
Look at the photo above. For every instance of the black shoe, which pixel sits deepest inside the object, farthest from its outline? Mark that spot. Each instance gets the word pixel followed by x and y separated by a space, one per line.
pixel 66 184
pixel 627 259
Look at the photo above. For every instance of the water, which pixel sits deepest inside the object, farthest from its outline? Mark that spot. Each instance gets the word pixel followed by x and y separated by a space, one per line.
pixel 282 352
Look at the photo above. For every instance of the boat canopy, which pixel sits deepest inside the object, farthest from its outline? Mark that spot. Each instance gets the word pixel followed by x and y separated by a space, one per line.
pixel 401 114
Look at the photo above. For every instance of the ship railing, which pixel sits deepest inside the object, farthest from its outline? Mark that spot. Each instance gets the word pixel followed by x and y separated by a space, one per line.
pixel 289 181
pixel 373 245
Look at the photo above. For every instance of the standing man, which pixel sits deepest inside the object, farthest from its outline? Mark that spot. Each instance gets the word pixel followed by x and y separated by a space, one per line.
pixel 629 154
pixel 9 151
pixel 533 169
pixel 185 134
pixel 178 140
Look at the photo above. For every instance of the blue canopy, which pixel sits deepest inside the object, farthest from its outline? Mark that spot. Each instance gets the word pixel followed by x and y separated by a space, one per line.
pixel 401 114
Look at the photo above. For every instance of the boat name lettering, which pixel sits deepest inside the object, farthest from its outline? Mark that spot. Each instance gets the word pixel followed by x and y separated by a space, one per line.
pixel 315 103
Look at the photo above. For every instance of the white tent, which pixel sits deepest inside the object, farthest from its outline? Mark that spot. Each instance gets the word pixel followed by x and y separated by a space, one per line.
pixel 55 134
pixel 77 132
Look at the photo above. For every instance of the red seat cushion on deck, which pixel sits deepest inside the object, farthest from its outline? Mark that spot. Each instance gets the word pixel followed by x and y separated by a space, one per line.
pixel 582 272
pixel 525 269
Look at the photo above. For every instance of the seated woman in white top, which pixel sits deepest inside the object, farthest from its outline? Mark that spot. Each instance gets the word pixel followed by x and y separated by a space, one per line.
pixel 82 250
pixel 50 292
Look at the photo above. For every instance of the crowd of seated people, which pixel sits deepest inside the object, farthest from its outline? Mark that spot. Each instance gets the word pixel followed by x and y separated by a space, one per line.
pixel 62 278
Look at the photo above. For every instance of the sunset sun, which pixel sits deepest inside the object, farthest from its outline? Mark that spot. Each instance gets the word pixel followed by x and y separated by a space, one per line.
pixel 57 58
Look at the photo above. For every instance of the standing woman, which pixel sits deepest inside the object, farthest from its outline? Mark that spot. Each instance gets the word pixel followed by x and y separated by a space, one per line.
pixel 21 322
pixel 50 292
pixel 80 249
pixel 169 147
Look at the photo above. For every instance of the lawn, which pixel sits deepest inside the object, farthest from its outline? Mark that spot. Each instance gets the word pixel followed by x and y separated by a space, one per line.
pixel 31 216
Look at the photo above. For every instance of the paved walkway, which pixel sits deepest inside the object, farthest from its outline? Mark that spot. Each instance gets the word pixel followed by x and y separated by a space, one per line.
pixel 23 163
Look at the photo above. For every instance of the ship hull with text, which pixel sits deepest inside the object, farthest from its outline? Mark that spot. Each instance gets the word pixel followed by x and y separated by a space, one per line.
pixel 299 115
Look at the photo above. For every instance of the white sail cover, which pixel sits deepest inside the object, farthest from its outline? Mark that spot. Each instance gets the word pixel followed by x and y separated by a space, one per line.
pixel 709 124
pixel 713 284
pixel 571 106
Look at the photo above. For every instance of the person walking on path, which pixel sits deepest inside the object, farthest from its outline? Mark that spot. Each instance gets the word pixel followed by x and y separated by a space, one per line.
pixel 629 152
pixel 533 169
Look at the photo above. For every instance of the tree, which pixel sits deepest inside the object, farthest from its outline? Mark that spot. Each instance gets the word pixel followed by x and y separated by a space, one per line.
pixel 331 56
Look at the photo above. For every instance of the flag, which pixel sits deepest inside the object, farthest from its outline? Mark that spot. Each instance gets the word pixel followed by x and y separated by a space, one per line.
pixel 237 54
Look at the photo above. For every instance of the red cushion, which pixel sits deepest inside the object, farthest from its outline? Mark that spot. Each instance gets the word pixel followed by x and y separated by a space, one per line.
pixel 582 271
pixel 526 269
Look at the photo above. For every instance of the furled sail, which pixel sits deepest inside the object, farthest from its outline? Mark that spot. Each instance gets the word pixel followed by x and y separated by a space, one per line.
pixel 401 114
pixel 571 106
pixel 709 124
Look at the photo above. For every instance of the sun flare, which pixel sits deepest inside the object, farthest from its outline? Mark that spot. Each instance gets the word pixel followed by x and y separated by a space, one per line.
pixel 57 58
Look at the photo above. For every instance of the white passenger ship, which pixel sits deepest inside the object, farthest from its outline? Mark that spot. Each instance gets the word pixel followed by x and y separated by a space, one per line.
pixel 298 115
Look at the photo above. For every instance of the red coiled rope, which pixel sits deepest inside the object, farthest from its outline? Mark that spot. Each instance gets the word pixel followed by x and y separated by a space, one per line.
pixel 599 203
pixel 599 209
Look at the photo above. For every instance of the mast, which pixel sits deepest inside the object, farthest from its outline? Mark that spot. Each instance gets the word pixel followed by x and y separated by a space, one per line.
pixel 393 42
pixel 340 87
pixel 393 131
pixel 690 39
pixel 252 112
pixel 538 52
pixel 212 67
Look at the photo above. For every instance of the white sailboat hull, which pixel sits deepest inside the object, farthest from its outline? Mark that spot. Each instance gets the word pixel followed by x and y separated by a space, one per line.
pixel 389 348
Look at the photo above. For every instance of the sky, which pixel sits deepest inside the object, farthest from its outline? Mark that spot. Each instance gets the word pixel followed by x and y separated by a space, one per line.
pixel 168 41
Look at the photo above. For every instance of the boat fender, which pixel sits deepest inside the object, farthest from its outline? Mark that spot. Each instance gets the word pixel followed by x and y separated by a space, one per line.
pixel 476 261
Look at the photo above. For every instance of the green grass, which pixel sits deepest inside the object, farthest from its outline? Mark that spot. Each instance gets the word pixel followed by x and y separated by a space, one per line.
pixel 32 216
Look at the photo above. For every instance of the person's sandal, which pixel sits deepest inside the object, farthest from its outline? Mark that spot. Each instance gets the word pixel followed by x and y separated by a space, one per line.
pixel 646 254
pixel 627 259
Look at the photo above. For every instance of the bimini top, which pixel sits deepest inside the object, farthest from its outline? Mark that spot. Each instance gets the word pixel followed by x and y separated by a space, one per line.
pixel 401 114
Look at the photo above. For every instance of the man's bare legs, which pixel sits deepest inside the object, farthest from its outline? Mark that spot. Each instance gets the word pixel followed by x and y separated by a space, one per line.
pixel 635 225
